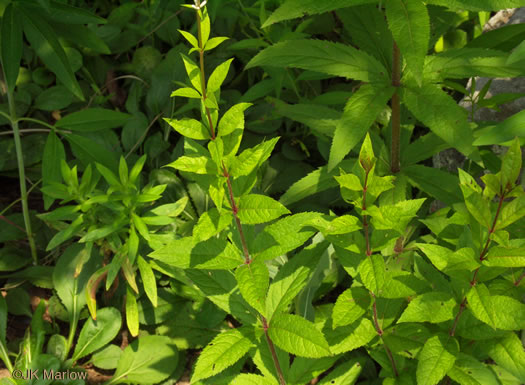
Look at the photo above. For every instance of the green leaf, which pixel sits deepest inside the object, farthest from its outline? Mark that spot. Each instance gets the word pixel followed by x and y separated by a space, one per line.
pixel 3 322
pixel 44 41
pixel 360 113
pixel 282 236
pixel 448 261
pixel 191 39
pixel 222 352
pixel 252 379
pixel 214 42
pixel 252 158
pixel 255 209
pixel 436 358
pixel 195 164
pixel 82 36
pixel 503 131
pixel 434 307
pixel 435 182
pixel 508 353
pixel 148 280
pixel 442 115
pixel 218 75
pixel 107 358
pixel 12 44
pixel 292 9
pixel 253 280
pixel 132 312
pixel 396 217
pixel 410 25
pixel 325 57
pixel 64 13
pixel 232 119
pixel 211 254
pixel 469 371
pixel 298 336
pixel 190 128
pixel 316 181
pixel 186 92
pixel 511 165
pixel 505 257
pixel 89 151
pixel 350 306
pixel 511 212
pixel 96 334
pixel 93 119
pixel 54 153
pixel 66 234
pixel 193 72
pixel 147 360
pixel 347 373
pixel 346 338
pixel 211 223
pixel 372 272
pixel 477 5
pixel 292 278
pixel 498 311
pixel 476 204
pixel 343 224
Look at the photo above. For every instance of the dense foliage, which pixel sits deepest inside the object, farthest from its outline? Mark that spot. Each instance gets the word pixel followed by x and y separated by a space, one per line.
pixel 242 192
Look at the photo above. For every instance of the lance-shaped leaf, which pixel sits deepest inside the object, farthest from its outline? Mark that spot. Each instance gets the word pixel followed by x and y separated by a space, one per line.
pixel 346 338
pixel 222 352
pixel 12 44
pixel 148 280
pixel 253 280
pixel 190 128
pixel 232 119
pixel 436 358
pixel 434 108
pixel 292 9
pixel 211 223
pixel 93 119
pixel 410 25
pixel 360 113
pixel 298 336
pixel 218 75
pixel 54 153
pixel 132 312
pixel 44 41
pixel 350 305
pixel 372 272
pixel 325 57
pixel 255 209
pixel 251 158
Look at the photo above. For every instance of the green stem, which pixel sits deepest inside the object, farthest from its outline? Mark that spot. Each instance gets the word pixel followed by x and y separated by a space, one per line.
pixel 74 319
pixel 21 176
pixel 395 153
pixel 4 355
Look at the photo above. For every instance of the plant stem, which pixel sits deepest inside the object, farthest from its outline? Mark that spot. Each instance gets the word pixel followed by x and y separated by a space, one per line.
pixel 203 77
pixel 395 152
pixel 21 175
pixel 4 355
pixel 248 260
pixel 273 352
pixel 365 217
pixel 482 254
pixel 74 319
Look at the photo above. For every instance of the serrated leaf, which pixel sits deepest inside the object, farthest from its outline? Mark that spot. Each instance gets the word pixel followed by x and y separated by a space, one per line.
pixel 253 280
pixel 435 182
pixel 436 358
pixel 350 305
pixel 322 56
pixel 498 311
pixel 511 212
pixel 211 223
pixel 211 254
pixel 148 360
pixel 346 338
pixel 511 165
pixel 12 44
pixel 222 352
pixel 96 334
pixel 298 336
pixel 255 209
pixel 477 5
pixel 360 113
pixel 233 119
pixel 190 128
pixel 442 115
pixel 372 272
pixel 469 371
pixel 505 257
pixel 186 92
pixel 397 216
pixel 252 158
pixel 347 373
pixel 410 25
pixel 508 353
pixel 252 379
pixel 434 307
pixel 292 9
pixel 343 224
pixel 195 164
pixel 448 261
pixel 282 236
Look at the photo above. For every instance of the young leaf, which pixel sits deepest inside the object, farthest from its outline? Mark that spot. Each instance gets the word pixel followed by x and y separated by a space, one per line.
pixel 132 312
pixel 360 113
pixel 214 42
pixel 211 223
pixel 298 336
pixel 222 352
pixel 190 128
pixel 12 44
pixel 232 119
pixel 498 311
pixel 350 306
pixel 434 307
pixel 195 164
pixel 396 217
pixel 191 39
pixel 252 158
pixel 410 25
pixel 148 360
pixel 511 165
pixel 325 57
pixel 218 75
pixel 93 119
pixel 253 280
pixel 186 92
pixel 193 72
pixel 96 334
pixel 255 208
pixel 148 280
pixel 436 358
